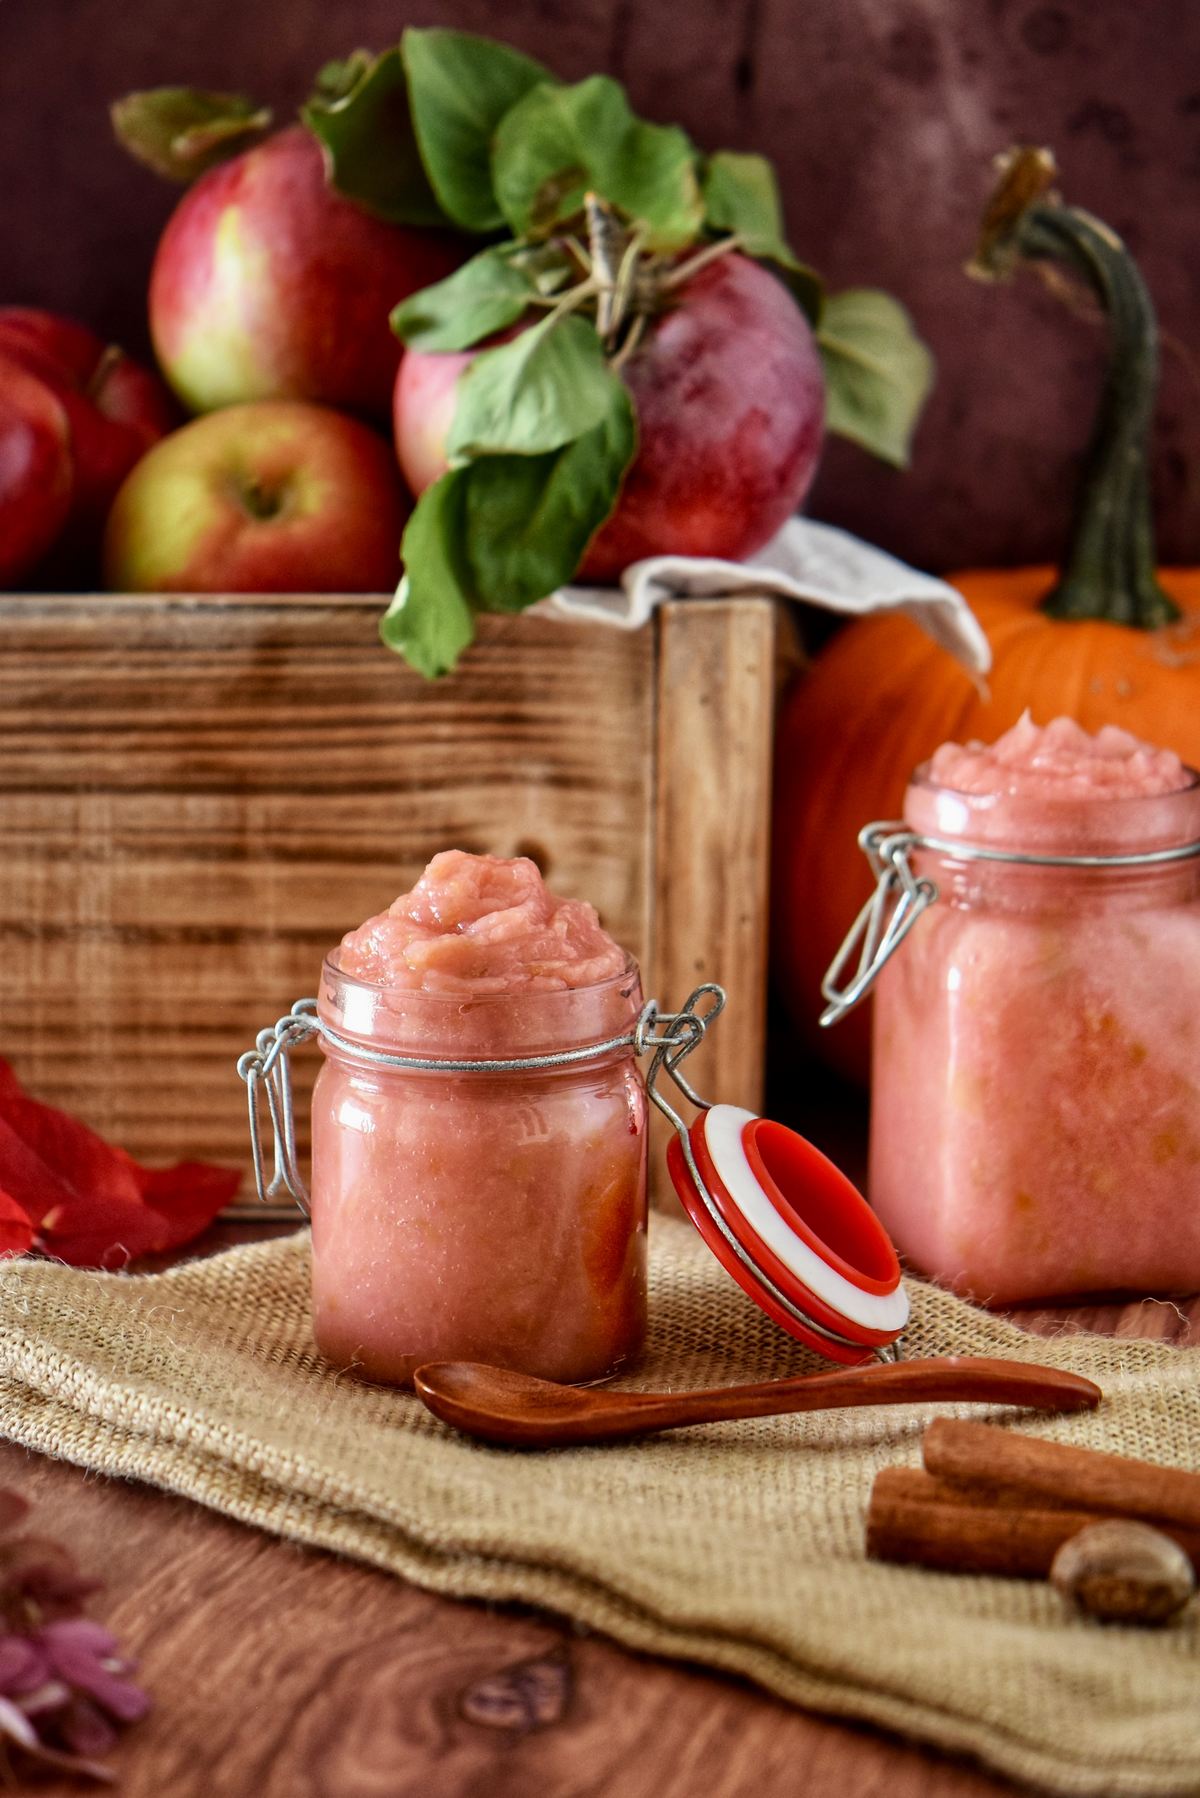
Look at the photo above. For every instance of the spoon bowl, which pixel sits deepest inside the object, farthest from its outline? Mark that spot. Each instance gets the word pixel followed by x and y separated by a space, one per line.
pixel 516 1410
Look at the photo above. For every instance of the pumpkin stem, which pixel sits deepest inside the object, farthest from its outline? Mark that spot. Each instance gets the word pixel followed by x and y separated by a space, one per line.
pixel 1109 571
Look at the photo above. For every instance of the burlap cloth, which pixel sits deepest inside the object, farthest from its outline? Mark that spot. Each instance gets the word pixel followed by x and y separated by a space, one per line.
pixel 737 1545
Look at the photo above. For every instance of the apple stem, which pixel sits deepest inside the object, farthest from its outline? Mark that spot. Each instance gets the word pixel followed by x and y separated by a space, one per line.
pixel 686 270
pixel 260 501
pixel 113 353
pixel 626 282
pixel 607 242
pixel 632 338
pixel 574 248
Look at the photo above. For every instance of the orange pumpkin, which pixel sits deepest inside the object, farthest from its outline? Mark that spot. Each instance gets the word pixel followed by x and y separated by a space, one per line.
pixel 1103 642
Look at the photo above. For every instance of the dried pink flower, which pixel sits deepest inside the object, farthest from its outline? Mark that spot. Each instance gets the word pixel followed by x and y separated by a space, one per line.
pixel 63 1683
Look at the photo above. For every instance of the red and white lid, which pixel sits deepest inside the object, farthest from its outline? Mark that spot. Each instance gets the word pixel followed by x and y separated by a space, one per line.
pixel 795 1233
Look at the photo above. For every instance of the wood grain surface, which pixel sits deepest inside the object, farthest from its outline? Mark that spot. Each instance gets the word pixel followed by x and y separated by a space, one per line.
pixel 285 1673
pixel 711 827
pixel 199 796
pixel 289 1673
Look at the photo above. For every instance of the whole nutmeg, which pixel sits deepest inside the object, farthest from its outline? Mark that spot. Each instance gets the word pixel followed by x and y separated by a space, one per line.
pixel 1124 1572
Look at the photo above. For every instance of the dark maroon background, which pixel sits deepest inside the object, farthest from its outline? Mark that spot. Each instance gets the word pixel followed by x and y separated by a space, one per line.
pixel 882 116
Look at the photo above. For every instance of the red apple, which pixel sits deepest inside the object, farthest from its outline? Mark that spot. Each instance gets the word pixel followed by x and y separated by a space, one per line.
pixel 36 473
pixel 277 496
pixel 269 285
pixel 423 411
pixel 730 403
pixel 115 408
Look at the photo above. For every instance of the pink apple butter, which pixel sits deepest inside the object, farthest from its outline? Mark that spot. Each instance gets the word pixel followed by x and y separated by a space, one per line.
pixel 478 924
pixel 1035 1126
pixel 492 1215
pixel 1059 761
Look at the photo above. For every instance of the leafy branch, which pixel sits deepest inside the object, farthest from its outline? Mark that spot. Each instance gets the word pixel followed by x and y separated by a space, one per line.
pixel 592 222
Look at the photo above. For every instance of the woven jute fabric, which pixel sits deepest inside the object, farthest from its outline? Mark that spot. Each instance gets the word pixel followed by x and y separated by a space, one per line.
pixel 739 1544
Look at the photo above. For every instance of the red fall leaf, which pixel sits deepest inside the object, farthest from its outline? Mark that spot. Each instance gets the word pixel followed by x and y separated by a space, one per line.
pixel 67 1192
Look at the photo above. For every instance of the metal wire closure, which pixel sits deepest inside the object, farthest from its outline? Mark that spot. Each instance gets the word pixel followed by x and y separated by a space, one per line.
pixel 672 1036
pixel 266 1067
pixel 900 897
pixel 266 1070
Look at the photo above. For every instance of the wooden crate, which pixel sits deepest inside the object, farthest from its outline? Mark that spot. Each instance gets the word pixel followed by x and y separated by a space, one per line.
pixel 198 796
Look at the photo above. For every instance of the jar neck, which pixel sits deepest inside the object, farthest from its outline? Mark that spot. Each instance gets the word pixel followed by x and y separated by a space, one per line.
pixel 477 1026
pixel 1035 825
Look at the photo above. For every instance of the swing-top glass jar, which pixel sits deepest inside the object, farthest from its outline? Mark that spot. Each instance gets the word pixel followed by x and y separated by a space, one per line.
pixel 493 1215
pixel 479 1147
pixel 1035 1127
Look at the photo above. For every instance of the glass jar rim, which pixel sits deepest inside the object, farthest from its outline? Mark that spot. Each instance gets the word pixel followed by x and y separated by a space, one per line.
pixel 475 1027
pixel 1088 824
pixel 464 996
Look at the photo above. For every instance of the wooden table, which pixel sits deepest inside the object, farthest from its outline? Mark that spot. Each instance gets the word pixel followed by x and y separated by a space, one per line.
pixel 288 1673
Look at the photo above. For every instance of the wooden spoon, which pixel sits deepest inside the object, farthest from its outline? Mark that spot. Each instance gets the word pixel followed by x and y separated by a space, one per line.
pixel 497 1405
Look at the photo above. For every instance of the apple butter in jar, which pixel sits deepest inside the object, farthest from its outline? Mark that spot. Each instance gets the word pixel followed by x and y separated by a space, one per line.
pixel 1035 1123
pixel 490 1203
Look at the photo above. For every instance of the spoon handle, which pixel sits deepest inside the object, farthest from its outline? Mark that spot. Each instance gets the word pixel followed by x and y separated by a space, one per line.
pixel 953 1378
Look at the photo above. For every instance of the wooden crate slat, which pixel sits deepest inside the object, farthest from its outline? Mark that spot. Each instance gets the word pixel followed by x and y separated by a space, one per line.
pixel 712 822
pixel 197 797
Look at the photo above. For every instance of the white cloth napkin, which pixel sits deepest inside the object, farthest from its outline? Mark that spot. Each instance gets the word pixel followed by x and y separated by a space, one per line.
pixel 812 562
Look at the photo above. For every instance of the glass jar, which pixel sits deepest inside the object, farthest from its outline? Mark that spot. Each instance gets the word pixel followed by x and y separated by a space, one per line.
pixel 496 1216
pixel 1035 1128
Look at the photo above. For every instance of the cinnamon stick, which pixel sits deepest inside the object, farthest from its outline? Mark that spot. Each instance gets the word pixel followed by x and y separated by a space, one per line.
pixel 1053 1474
pixel 919 1520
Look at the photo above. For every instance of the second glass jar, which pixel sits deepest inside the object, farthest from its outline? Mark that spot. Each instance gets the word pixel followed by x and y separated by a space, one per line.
pixel 1035 1125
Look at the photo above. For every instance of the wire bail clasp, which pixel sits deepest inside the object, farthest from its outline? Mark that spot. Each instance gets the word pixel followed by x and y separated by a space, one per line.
pixel 265 1068
pixel 266 1071
pixel 884 921
pixel 673 1036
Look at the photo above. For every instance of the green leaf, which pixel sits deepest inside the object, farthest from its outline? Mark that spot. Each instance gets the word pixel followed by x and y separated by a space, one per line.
pixel 460 88
pixel 486 294
pixel 549 268
pixel 805 286
pixel 741 195
pixel 877 371
pixel 550 385
pixel 559 142
pixel 335 80
pixel 503 532
pixel 432 619
pixel 180 132
pixel 367 136
pixel 531 518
